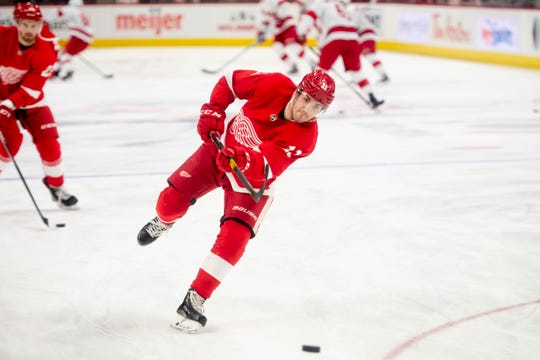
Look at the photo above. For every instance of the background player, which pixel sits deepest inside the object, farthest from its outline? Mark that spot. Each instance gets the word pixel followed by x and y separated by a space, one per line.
pixel 338 37
pixel 80 37
pixel 27 62
pixel 280 17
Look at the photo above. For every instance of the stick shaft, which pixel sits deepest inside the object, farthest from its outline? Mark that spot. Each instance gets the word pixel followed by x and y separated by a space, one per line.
pixel 3 140
pixel 233 59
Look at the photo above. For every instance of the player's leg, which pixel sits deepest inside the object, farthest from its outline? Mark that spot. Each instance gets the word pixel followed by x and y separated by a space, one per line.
pixel 13 138
pixel 240 223
pixel 193 179
pixel 41 125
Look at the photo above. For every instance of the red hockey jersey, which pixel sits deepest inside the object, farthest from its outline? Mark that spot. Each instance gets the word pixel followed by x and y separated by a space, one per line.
pixel 260 125
pixel 23 70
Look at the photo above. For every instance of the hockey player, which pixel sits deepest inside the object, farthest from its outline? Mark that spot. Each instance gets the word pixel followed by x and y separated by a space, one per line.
pixel 27 62
pixel 276 126
pixel 368 40
pixel 338 37
pixel 280 17
pixel 80 37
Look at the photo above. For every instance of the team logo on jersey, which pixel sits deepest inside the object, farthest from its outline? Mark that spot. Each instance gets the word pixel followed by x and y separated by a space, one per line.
pixel 10 75
pixel 244 132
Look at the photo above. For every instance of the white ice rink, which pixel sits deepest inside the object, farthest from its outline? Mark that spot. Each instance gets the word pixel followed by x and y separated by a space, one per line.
pixel 411 233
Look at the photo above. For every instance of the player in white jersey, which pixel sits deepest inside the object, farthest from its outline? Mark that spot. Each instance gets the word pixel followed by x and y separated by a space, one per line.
pixel 338 36
pixel 368 40
pixel 280 17
pixel 80 33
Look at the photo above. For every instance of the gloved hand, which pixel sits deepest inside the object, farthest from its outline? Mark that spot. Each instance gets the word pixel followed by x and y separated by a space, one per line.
pixel 239 154
pixel 211 120
pixel 6 113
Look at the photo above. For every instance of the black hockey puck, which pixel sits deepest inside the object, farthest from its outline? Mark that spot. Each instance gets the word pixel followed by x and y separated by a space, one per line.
pixel 61 225
pixel 311 348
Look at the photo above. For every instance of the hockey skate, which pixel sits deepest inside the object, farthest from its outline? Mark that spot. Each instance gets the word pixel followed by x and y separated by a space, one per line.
pixel 151 231
pixel 190 313
pixel 384 79
pixel 65 75
pixel 293 70
pixel 59 195
pixel 375 103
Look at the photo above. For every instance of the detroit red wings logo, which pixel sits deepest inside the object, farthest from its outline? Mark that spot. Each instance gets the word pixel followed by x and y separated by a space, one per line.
pixel 11 75
pixel 243 131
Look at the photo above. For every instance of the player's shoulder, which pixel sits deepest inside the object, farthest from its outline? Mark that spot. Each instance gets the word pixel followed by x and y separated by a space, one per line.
pixel 44 52
pixel 4 30
pixel 276 80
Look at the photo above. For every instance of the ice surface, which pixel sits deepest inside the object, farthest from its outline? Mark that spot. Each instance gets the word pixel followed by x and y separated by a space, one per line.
pixel 412 233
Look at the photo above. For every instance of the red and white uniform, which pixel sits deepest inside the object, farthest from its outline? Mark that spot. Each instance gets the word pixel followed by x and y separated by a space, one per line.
pixel 280 18
pixel 78 24
pixel 261 128
pixel 338 37
pixel 368 38
pixel 23 73
pixel 81 35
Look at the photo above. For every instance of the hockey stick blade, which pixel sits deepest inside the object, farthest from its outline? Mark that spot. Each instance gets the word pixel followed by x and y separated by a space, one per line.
pixel 206 71
pixel 95 68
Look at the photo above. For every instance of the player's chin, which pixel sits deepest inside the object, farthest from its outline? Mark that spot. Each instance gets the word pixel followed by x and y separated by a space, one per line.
pixel 301 117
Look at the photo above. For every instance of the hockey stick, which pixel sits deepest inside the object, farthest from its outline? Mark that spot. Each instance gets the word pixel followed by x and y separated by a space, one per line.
pixel 255 195
pixel 43 218
pixel 339 75
pixel 96 69
pixel 231 60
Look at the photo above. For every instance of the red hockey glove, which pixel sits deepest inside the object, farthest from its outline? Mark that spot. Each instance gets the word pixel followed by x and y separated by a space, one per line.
pixel 5 114
pixel 211 120
pixel 239 154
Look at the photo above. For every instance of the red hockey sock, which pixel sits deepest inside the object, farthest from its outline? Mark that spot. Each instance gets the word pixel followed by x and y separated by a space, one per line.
pixel 51 158
pixel 226 252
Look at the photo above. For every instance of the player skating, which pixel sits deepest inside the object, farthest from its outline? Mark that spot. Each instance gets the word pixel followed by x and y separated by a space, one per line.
pixel 338 37
pixel 280 17
pixel 368 40
pixel 27 62
pixel 80 37
pixel 275 127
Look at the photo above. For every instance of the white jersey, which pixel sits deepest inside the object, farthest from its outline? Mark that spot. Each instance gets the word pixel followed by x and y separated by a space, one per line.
pixel 78 22
pixel 332 20
pixel 280 14
pixel 366 29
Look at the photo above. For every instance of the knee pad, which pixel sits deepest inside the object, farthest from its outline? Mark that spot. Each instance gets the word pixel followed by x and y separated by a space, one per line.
pixel 49 150
pixel 172 205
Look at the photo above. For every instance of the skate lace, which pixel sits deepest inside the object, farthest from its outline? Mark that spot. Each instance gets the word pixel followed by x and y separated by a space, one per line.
pixel 156 228
pixel 196 301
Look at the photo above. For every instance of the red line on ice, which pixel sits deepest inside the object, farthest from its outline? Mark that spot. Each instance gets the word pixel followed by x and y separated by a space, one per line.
pixel 417 338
